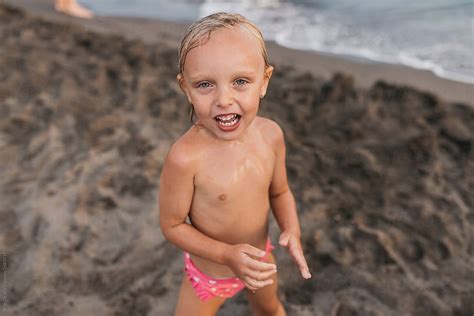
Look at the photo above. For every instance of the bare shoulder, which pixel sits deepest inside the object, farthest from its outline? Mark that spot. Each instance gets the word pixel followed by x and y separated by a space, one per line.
pixel 183 152
pixel 271 131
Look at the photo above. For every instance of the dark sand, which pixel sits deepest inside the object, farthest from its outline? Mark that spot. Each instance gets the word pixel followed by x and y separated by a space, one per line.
pixel 383 175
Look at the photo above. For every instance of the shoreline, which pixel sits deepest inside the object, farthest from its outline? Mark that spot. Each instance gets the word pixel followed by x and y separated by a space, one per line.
pixel 183 15
pixel 323 65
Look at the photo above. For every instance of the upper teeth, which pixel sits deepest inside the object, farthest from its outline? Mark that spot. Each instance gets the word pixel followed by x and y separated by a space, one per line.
pixel 227 117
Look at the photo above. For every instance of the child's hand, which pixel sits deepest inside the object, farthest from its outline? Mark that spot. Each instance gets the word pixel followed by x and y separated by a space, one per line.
pixel 293 243
pixel 253 273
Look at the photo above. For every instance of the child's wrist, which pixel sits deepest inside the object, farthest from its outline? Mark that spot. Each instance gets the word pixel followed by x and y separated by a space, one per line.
pixel 294 233
pixel 223 254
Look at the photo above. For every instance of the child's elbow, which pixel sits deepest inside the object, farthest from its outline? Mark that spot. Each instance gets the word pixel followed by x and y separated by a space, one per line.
pixel 168 229
pixel 165 230
pixel 281 191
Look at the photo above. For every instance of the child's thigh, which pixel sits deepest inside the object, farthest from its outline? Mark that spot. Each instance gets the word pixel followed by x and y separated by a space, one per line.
pixel 190 304
pixel 265 300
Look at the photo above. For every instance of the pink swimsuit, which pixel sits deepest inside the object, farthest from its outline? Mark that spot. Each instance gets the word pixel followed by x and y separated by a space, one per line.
pixel 207 287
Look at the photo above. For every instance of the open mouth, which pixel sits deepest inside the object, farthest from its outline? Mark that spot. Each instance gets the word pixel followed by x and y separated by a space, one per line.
pixel 227 121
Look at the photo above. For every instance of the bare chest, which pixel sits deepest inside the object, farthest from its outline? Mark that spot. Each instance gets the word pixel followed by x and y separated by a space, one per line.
pixel 238 174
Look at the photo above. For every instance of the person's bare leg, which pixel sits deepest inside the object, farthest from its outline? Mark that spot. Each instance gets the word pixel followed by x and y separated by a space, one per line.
pixel 190 304
pixel 265 301
pixel 71 7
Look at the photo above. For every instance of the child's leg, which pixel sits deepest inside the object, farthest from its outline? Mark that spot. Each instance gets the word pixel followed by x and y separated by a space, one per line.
pixel 264 301
pixel 190 304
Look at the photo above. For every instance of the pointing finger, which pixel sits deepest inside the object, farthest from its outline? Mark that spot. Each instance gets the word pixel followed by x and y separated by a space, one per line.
pixel 305 273
pixel 301 262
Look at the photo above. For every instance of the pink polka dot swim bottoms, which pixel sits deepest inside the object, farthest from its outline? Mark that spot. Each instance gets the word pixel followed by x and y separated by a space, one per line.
pixel 207 287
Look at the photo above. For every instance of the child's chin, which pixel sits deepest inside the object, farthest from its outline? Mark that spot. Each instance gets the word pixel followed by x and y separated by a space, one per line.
pixel 228 136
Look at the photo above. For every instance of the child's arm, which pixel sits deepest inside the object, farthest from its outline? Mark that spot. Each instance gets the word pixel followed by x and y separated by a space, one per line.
pixel 284 207
pixel 175 197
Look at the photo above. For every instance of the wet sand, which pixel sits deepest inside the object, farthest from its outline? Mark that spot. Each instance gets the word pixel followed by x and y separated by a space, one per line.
pixel 382 171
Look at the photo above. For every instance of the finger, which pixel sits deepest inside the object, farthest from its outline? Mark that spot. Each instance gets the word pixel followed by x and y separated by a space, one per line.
pixel 301 262
pixel 284 239
pixel 249 286
pixel 306 274
pixel 304 270
pixel 259 276
pixel 253 251
pixel 259 265
pixel 258 284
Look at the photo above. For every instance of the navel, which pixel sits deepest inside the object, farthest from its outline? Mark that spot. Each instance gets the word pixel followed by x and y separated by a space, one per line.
pixel 223 197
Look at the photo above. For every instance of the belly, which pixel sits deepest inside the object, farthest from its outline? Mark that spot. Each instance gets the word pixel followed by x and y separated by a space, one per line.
pixel 244 226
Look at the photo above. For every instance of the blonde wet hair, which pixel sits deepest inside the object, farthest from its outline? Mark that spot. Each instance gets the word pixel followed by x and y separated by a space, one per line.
pixel 201 30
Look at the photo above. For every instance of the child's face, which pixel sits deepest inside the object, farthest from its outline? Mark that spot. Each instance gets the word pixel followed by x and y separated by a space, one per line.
pixel 224 79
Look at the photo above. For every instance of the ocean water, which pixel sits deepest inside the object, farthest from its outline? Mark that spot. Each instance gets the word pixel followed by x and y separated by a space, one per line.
pixel 437 35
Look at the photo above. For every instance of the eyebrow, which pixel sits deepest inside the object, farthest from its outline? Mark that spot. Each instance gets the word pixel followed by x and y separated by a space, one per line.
pixel 246 73
pixel 237 74
pixel 197 78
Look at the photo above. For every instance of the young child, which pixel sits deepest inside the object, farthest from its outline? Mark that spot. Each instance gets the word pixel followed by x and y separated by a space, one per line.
pixel 226 172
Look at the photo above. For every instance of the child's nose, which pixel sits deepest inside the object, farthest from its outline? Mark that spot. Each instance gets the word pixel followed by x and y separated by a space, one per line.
pixel 224 97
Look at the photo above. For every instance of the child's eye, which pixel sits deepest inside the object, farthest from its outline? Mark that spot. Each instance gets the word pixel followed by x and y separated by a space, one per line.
pixel 241 82
pixel 204 85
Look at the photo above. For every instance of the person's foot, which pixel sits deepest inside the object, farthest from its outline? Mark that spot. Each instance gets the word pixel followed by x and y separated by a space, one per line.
pixel 73 9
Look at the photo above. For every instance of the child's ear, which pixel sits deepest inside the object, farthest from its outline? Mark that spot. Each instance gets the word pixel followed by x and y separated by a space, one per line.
pixel 266 79
pixel 268 72
pixel 180 79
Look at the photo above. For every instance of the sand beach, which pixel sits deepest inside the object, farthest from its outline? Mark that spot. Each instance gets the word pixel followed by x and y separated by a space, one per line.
pixel 380 158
